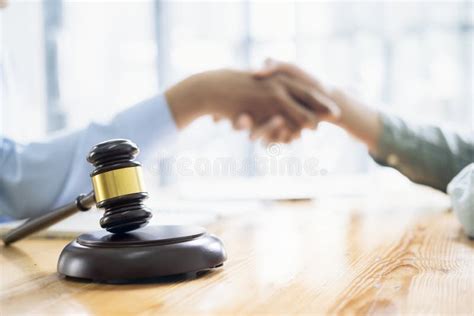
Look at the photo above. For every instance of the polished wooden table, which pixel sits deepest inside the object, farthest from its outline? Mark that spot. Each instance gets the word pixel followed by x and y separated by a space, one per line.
pixel 388 252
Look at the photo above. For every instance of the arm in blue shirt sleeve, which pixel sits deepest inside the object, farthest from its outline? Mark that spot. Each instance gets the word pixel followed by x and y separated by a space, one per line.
pixel 37 177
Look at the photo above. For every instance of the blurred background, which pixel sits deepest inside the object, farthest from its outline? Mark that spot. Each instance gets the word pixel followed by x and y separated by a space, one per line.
pixel 65 63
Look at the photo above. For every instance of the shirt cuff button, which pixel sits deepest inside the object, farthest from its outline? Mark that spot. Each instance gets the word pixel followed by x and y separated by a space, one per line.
pixel 393 160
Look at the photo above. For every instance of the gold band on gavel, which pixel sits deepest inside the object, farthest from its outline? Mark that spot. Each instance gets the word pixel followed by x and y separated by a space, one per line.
pixel 117 182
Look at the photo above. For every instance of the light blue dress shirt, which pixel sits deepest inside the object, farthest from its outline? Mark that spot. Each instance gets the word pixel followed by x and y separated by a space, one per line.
pixel 38 177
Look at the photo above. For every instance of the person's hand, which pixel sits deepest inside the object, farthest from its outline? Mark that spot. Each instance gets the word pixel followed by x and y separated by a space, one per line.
pixel 304 89
pixel 229 93
pixel 275 129
pixel 312 92
pixel 329 104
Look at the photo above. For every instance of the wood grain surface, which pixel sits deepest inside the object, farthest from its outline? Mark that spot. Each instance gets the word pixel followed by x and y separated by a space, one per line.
pixel 384 253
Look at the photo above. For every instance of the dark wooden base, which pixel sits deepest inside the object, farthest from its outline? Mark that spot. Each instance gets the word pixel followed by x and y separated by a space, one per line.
pixel 150 252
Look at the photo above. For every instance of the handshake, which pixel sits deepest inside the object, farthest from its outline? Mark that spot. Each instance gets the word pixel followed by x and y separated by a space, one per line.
pixel 274 103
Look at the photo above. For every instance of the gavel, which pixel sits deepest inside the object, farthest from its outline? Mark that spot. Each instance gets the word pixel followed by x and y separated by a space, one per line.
pixel 118 188
pixel 126 251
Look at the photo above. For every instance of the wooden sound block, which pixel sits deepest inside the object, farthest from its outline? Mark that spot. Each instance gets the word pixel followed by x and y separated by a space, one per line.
pixel 147 253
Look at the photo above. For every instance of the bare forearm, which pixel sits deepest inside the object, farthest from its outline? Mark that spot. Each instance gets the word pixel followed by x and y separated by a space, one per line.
pixel 186 100
pixel 358 119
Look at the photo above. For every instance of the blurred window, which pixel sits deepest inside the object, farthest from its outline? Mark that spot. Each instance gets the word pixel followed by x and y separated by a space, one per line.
pixel 69 62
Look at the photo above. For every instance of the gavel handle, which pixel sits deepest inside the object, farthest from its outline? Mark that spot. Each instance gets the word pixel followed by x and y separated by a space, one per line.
pixel 33 225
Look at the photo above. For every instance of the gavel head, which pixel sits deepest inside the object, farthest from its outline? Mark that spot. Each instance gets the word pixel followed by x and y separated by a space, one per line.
pixel 118 185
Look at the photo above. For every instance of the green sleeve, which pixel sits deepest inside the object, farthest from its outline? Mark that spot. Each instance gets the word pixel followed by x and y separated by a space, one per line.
pixel 425 154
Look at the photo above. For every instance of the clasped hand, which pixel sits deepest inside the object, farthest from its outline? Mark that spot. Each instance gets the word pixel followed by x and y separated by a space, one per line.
pixel 275 103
